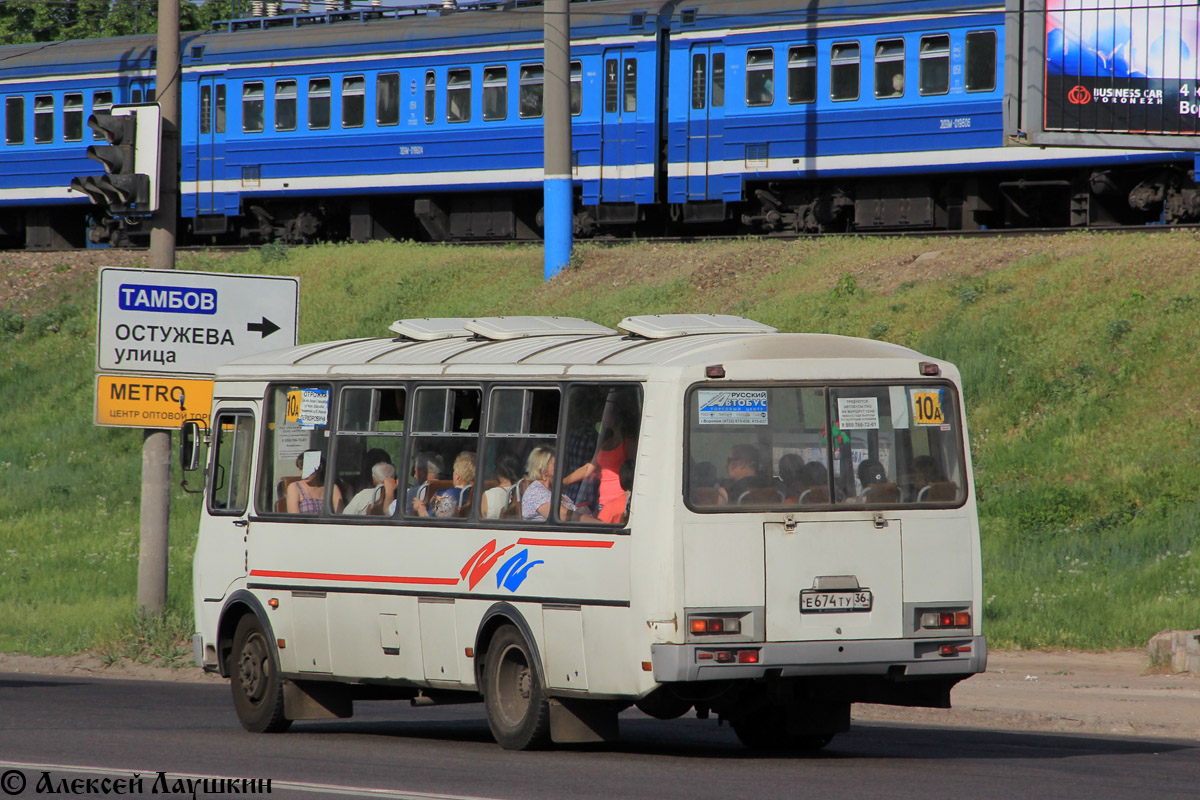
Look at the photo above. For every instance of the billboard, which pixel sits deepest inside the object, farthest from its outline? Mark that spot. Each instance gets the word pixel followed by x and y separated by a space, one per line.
pixel 1106 72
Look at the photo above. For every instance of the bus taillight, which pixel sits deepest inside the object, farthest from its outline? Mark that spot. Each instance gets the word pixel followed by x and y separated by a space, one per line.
pixel 946 619
pixel 706 626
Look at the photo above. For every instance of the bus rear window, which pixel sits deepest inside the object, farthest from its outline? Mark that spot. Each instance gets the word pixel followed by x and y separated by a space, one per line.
pixel 756 448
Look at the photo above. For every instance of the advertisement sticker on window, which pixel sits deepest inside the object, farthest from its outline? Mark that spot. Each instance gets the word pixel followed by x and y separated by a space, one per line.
pixel 858 413
pixel 733 407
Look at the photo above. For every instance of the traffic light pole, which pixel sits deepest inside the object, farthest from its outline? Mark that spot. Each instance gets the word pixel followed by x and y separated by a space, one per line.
pixel 156 444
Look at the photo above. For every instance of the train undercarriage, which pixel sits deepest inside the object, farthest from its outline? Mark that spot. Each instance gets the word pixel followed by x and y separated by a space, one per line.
pixel 1078 198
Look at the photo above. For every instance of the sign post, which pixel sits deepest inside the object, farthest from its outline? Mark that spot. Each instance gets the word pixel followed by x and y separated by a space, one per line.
pixel 161 336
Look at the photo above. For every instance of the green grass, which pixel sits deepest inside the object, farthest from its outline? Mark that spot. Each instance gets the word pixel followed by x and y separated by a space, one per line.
pixel 1077 354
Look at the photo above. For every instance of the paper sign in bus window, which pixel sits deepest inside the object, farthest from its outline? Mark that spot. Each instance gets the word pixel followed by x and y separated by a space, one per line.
pixel 309 407
pixel 858 413
pixel 733 407
pixel 927 407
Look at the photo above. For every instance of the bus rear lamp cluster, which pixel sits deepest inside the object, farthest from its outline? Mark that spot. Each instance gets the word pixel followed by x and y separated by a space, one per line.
pixel 946 619
pixel 953 649
pixel 747 656
pixel 930 369
pixel 708 626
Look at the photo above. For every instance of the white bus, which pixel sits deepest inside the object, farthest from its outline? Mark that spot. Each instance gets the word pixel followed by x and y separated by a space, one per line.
pixel 563 520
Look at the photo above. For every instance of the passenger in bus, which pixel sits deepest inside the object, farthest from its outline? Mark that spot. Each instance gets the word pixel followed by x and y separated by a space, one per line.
pixel 927 482
pixel 426 467
pixel 618 444
pixel 538 497
pixel 706 491
pixel 818 480
pixel 617 511
pixel 307 495
pixel 366 477
pixel 499 497
pixel 744 471
pixel 447 502
pixel 794 476
pixel 875 485
pixel 381 494
pixel 587 405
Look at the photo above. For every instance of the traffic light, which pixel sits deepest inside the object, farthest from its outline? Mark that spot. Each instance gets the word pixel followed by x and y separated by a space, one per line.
pixel 129 186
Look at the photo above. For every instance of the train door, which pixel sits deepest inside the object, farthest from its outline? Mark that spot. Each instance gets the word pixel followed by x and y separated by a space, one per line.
pixel 618 160
pixel 210 145
pixel 706 116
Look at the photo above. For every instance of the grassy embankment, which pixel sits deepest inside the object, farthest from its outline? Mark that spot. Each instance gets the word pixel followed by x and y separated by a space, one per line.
pixel 1078 355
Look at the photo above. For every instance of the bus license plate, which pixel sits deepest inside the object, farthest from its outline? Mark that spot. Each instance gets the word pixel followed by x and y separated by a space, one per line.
pixel 812 602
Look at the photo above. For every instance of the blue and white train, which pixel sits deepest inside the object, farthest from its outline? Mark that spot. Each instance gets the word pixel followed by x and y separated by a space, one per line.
pixel 738 115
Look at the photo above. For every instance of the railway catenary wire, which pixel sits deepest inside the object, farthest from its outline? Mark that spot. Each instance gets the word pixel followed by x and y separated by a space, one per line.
pixel 820 166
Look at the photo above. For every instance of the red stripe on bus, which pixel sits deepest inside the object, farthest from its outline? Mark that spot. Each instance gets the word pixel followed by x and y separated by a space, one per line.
pixel 564 543
pixel 327 576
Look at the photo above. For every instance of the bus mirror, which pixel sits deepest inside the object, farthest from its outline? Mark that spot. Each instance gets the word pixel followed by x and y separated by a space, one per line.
pixel 190 436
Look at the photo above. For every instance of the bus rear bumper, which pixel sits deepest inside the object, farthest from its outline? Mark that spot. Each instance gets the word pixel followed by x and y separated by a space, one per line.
pixel 899 659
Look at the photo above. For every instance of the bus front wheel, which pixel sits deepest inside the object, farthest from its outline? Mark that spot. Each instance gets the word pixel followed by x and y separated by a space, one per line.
pixel 257 687
pixel 518 710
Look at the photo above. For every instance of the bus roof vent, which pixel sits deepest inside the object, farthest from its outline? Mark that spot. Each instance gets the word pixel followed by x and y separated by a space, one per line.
pixel 504 328
pixel 667 326
pixel 428 330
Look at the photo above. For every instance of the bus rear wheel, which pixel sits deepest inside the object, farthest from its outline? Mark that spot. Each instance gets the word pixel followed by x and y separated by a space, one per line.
pixel 518 710
pixel 254 677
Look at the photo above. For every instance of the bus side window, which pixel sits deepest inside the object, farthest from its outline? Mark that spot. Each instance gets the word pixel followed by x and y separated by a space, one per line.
pixel 602 435
pixel 520 422
pixel 233 435
pixel 294 475
pixel 368 446
pixel 440 480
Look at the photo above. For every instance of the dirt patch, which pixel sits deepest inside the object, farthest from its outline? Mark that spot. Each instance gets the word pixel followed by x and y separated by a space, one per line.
pixel 28 280
pixel 1099 693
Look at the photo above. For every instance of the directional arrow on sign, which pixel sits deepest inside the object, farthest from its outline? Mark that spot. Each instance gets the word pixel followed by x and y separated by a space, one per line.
pixel 266 327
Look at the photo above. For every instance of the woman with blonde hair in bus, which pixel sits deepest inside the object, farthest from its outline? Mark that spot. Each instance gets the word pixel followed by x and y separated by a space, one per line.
pixel 538 497
pixel 447 502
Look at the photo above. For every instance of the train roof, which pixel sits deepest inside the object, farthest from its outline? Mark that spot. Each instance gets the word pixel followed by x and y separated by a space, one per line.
pixel 706 14
pixel 528 346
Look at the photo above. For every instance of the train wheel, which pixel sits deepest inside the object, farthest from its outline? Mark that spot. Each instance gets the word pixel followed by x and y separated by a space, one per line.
pixel 257 687
pixel 518 710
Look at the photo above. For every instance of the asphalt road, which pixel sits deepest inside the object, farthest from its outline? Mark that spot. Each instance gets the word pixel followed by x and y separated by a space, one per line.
pixel 80 728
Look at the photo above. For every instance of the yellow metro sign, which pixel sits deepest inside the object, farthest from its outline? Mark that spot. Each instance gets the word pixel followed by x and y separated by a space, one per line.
pixel 158 402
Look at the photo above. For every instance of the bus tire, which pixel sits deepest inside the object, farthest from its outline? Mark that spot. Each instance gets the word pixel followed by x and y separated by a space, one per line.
pixel 254 678
pixel 518 710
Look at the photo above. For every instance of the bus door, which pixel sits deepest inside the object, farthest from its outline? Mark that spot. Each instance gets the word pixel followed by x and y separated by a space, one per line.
pixel 706 118
pixel 210 145
pixel 618 148
pixel 221 548
pixel 833 580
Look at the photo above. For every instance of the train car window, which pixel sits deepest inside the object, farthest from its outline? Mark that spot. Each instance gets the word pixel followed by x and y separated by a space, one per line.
pixel 889 68
pixel 354 101
pixel 14 120
pixel 285 105
pixel 150 95
pixel 430 96
pixel 387 99
pixel 73 117
pixel 531 85
pixel 718 80
pixel 205 110
pixel 699 80
pixel 630 85
pixel 254 97
pixel 458 95
pixel 576 88
pixel 843 71
pixel 43 119
pixel 760 77
pixel 802 74
pixel 135 96
pixel 935 65
pixel 612 86
pixel 102 103
pixel 495 93
pixel 319 93
pixel 981 61
pixel 220 121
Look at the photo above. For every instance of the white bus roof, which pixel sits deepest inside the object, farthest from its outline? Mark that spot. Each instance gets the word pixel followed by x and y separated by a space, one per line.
pixel 559 345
